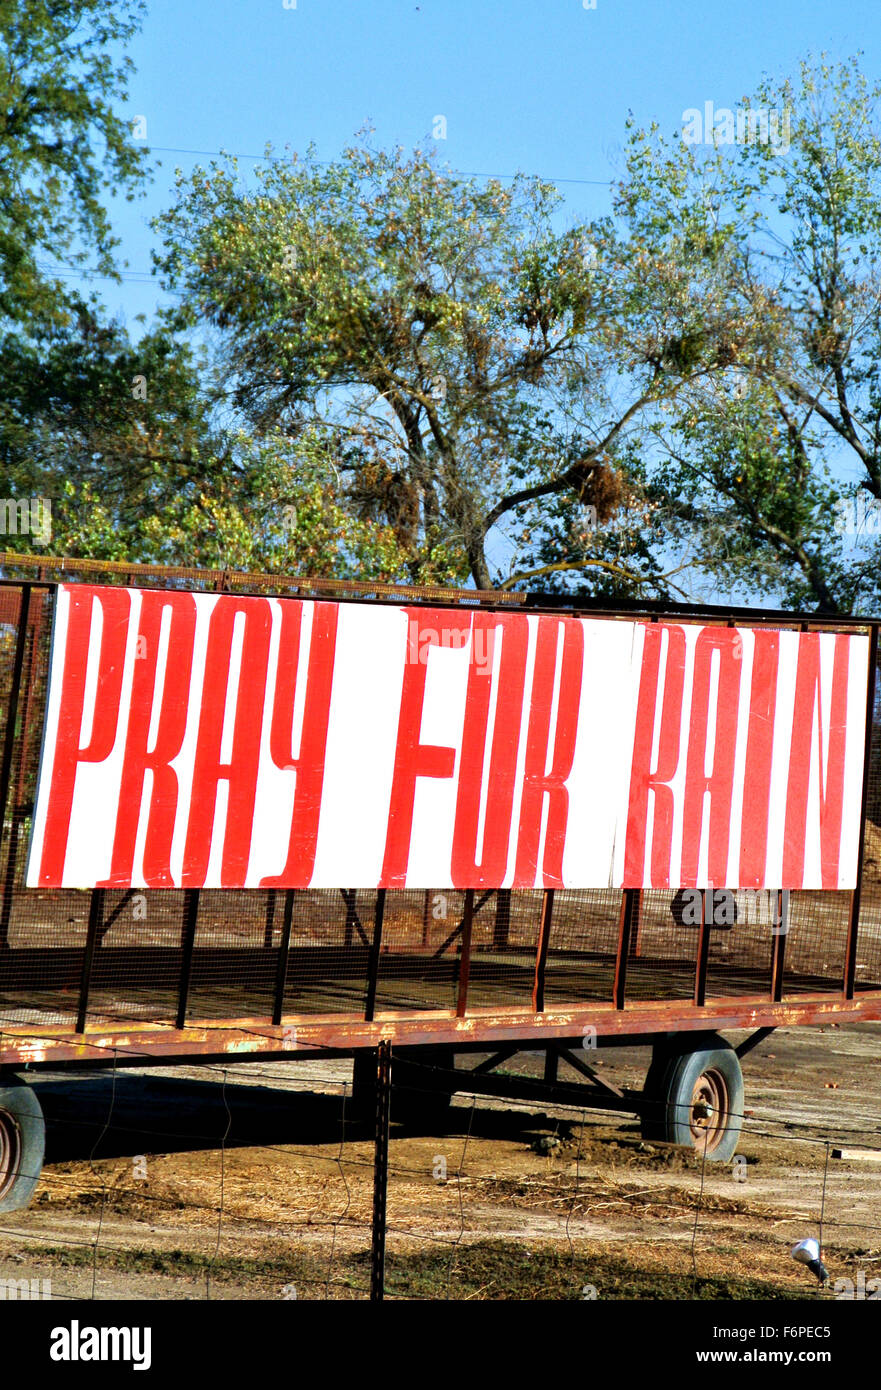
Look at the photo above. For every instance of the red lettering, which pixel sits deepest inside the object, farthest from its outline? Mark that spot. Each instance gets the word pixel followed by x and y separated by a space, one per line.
pixel 513 629
pixel 114 606
pixel 537 783
pixel 309 765
pixel 642 778
pixel 412 758
pixel 170 731
pixel 759 752
pixel 720 783
pixel 241 771
pixel 831 777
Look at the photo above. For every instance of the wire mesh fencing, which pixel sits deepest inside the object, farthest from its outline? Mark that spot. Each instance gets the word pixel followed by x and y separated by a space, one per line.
pixel 260 1181
pixel 272 1180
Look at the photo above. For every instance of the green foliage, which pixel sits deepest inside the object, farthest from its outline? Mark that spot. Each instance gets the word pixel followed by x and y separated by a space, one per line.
pixel 423 377
pixel 120 438
pixel 461 358
pixel 64 146
pixel 754 463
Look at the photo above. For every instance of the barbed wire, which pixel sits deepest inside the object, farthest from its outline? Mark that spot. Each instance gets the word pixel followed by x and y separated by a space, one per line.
pixel 329 1283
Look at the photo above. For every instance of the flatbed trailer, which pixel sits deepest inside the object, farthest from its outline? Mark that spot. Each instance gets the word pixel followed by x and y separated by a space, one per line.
pixel 117 974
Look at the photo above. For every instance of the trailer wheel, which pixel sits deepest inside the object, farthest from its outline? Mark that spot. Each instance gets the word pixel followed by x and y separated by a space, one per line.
pixel 694 1096
pixel 22 1145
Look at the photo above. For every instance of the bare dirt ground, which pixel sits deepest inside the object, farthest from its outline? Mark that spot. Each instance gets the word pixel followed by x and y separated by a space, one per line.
pixel 255 1182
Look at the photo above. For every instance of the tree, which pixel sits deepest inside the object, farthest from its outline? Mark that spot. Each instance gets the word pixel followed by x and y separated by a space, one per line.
pixel 465 367
pixel 64 147
pixel 120 439
pixel 770 459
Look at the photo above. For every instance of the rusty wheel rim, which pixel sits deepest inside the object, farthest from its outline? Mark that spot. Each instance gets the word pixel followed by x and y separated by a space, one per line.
pixel 710 1106
pixel 10 1151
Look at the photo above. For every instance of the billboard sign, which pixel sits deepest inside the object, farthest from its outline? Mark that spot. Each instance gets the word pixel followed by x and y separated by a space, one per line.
pixel 212 740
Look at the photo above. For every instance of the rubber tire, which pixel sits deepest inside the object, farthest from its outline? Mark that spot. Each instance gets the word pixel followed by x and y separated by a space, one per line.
pixel 676 1066
pixel 21 1104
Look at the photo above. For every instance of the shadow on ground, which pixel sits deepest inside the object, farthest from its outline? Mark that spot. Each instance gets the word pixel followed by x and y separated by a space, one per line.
pixel 100 1116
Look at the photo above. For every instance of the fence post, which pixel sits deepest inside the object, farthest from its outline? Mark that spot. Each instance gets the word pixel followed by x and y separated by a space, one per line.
pixel 96 912
pixel 380 1170
pixel 464 962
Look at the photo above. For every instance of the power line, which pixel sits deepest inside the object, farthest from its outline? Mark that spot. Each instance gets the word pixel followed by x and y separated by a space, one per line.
pixel 145 277
pixel 326 163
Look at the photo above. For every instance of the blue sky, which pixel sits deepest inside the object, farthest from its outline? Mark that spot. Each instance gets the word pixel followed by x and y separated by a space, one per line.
pixel 542 86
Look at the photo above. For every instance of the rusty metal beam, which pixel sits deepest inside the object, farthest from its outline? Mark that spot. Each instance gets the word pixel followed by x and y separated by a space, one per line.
pixel 753 1040
pixel 457 929
pixel 464 961
pixel 96 906
pixel 65 567
pixel 373 961
pixel 503 1055
pixel 577 1065
pixel 703 950
pixel 628 927
pixel 778 946
pixel 188 943
pixel 281 970
pixel 247 1037
pixel 115 914
pixel 541 953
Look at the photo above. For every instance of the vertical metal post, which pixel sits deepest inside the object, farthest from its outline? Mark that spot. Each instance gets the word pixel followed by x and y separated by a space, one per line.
pixel 465 954
pixel 188 941
pixel 349 900
pixel 853 926
pixel 778 946
pixel 628 927
pixel 703 950
pixel 373 963
pixel 426 903
pixel 380 1170
pixel 541 955
pixel 281 972
pixel 96 909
